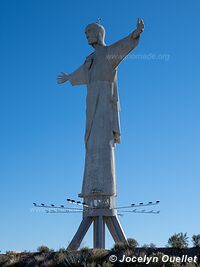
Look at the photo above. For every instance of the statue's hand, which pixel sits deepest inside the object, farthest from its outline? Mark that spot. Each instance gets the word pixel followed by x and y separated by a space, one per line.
pixel 139 29
pixel 62 78
pixel 140 25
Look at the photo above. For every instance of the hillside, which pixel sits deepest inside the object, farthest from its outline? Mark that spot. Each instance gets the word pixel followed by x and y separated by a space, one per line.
pixel 160 257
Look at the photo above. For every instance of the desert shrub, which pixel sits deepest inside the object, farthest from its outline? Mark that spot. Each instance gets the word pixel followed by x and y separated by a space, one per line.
pixel 125 246
pixel 59 258
pixel 62 250
pixel 44 249
pixel 85 250
pixel 132 243
pixel 98 256
pixel 159 255
pixel 196 241
pixel 179 241
pixel 77 259
pixel 120 246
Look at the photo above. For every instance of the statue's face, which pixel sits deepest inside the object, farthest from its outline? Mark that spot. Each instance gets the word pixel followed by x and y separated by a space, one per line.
pixel 92 34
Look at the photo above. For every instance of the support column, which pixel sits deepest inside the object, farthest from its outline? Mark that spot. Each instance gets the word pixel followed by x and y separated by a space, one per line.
pixel 115 229
pixel 99 232
pixel 82 230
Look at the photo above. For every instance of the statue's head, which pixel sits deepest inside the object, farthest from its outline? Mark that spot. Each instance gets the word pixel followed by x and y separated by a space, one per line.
pixel 95 34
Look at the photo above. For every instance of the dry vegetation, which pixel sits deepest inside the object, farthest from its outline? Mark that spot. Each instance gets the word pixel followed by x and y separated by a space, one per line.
pixel 93 257
pixel 85 257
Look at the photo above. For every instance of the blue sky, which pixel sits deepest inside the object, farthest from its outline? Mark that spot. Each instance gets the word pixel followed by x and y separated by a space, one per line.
pixel 42 123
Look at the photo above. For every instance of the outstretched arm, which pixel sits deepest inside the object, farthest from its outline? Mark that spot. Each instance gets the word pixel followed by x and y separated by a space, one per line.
pixel 119 50
pixel 78 77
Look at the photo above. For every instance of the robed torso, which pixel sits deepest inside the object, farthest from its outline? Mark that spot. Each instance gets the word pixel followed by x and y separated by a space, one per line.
pixel 99 74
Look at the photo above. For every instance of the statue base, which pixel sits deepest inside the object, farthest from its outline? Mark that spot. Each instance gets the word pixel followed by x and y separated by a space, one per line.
pixel 100 212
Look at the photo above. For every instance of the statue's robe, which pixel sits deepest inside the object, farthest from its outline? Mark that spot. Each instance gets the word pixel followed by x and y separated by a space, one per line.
pixel 99 73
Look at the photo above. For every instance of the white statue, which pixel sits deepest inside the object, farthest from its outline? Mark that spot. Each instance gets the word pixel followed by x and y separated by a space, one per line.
pixel 99 73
